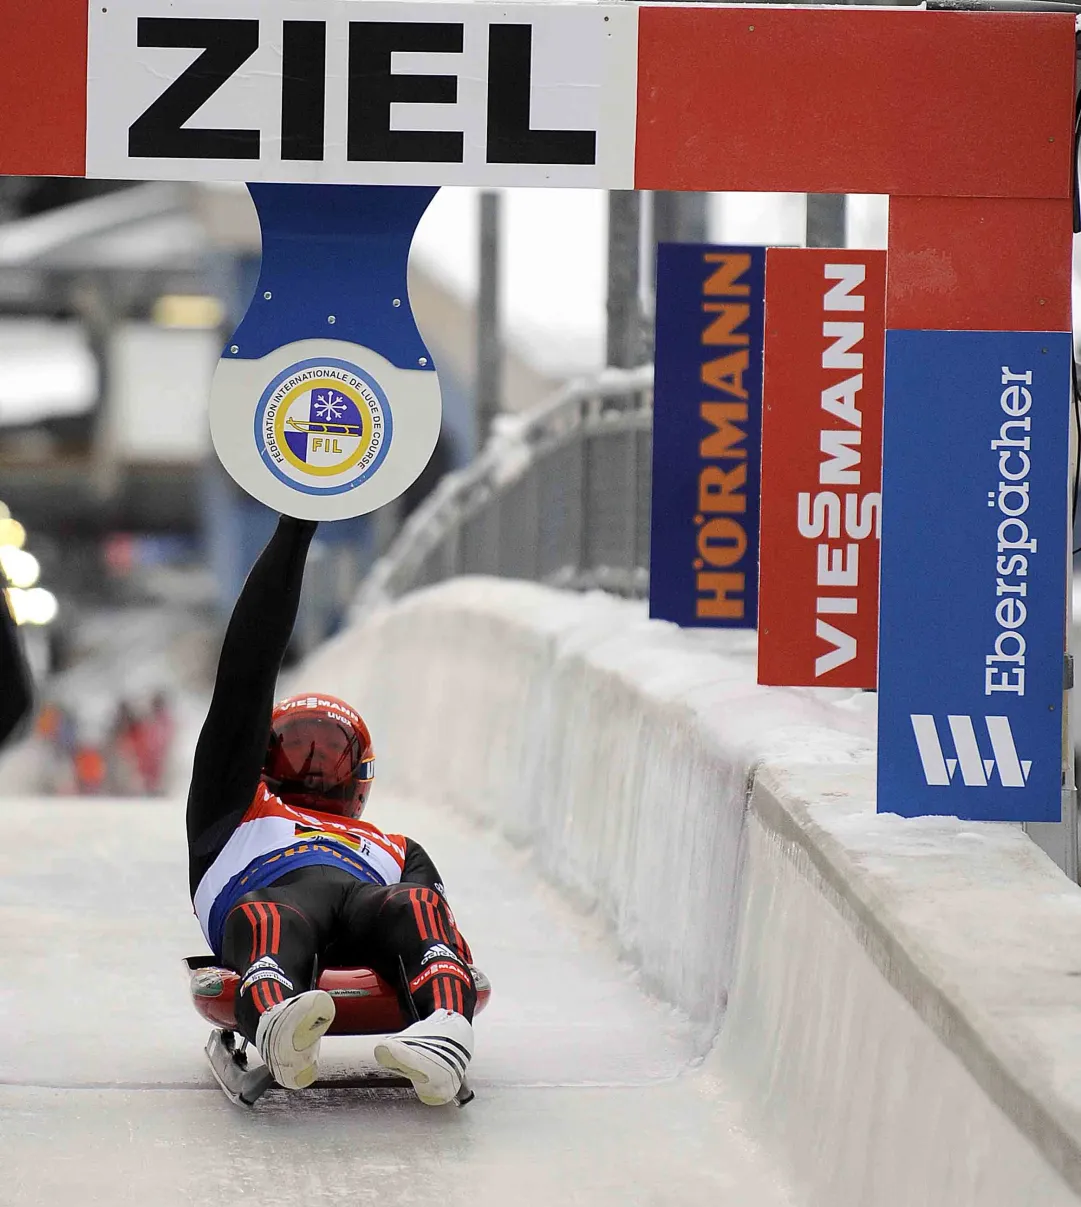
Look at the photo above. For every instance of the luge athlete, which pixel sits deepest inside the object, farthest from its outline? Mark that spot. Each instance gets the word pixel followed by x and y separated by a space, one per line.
pixel 285 876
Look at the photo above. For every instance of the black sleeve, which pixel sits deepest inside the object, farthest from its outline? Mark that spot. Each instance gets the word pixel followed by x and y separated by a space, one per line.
pixel 233 741
pixel 419 868
pixel 16 685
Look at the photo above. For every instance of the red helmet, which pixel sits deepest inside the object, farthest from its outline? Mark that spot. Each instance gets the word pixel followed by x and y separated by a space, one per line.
pixel 319 756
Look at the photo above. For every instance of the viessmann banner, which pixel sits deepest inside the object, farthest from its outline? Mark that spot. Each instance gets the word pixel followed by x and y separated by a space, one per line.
pixel 973 574
pixel 707 416
pixel 821 467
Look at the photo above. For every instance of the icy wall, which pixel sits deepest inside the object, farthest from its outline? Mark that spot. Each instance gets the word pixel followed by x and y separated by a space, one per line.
pixel 619 749
pixel 903 998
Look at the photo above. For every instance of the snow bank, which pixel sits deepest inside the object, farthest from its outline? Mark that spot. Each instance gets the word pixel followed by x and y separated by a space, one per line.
pixel 903 998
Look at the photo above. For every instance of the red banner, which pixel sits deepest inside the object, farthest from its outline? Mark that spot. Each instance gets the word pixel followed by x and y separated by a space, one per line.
pixel 926 83
pixel 821 467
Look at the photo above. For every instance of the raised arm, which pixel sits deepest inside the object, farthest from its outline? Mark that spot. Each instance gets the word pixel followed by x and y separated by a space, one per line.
pixel 232 744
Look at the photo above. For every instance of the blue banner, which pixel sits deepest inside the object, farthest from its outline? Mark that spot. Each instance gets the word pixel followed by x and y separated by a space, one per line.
pixel 973 588
pixel 707 433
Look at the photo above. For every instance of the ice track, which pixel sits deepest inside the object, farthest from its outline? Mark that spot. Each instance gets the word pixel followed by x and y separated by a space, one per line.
pixel 587 1091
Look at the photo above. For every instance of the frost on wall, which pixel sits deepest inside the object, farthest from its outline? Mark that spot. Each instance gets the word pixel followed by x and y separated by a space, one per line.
pixel 620 750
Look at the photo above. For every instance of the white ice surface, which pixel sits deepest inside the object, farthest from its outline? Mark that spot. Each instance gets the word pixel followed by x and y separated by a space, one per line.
pixel 584 1092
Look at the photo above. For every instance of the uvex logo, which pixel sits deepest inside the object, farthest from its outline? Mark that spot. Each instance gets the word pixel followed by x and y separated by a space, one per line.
pixel 976 771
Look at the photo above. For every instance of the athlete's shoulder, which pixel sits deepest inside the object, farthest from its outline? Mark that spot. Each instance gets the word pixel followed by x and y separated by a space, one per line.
pixel 395 841
pixel 263 802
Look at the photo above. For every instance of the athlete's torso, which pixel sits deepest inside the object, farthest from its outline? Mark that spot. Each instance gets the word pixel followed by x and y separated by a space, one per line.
pixel 274 838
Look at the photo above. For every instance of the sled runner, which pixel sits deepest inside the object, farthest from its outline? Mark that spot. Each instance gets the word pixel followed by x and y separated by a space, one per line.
pixel 365 1004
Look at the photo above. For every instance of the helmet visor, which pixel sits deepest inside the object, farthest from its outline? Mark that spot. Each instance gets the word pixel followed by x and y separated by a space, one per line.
pixel 316 756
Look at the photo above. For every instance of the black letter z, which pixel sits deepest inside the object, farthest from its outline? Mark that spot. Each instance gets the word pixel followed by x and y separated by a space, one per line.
pixel 157 134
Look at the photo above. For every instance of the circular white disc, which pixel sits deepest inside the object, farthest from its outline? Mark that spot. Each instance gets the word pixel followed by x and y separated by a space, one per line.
pixel 322 429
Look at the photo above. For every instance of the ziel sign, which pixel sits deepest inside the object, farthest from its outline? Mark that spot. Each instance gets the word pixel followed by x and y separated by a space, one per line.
pixel 375 93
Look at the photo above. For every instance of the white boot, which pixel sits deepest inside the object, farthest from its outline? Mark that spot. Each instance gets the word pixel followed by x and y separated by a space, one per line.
pixel 288 1037
pixel 433 1054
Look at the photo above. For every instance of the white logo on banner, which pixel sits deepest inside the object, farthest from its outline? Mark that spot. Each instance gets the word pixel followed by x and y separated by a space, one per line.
pixel 975 769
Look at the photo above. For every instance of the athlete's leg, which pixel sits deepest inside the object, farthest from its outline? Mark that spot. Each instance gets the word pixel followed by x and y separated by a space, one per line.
pixel 274 937
pixel 410 927
pixel 380 926
pixel 271 944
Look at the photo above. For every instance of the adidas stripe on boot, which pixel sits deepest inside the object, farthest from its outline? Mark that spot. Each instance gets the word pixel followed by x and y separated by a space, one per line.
pixel 288 1037
pixel 433 1053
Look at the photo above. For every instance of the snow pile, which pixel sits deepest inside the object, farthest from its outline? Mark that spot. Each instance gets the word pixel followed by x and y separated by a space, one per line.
pixel 902 1020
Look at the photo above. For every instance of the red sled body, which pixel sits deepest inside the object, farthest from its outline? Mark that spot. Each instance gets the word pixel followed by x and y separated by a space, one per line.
pixel 364 1003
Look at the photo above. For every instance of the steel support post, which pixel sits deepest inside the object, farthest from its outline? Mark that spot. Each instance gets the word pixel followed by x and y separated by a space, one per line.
pixel 625 343
pixel 826 219
pixel 489 385
pixel 679 217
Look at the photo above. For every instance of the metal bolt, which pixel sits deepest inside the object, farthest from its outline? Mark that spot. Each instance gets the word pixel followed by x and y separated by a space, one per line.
pixel 423 360
pixel 268 295
pixel 331 318
pixel 396 302
pixel 234 349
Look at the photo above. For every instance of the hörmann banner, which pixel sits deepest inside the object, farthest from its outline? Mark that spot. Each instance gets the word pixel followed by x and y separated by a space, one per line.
pixel 973 583
pixel 821 467
pixel 707 416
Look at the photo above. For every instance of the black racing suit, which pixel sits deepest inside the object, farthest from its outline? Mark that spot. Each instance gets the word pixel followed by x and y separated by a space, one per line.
pixel 311 917
pixel 16 685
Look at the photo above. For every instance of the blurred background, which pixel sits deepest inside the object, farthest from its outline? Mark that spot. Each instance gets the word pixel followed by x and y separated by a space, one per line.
pixel 125 544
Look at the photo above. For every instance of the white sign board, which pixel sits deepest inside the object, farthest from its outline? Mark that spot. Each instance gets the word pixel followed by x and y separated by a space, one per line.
pixel 370 93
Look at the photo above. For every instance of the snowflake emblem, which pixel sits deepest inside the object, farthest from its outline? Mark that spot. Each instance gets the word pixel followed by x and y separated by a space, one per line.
pixel 328 407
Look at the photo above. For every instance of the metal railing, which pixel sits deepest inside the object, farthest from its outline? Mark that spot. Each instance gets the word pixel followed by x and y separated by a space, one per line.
pixel 558 495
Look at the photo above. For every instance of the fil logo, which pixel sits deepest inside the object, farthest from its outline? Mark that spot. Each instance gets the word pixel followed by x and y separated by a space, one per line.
pixel 976 771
